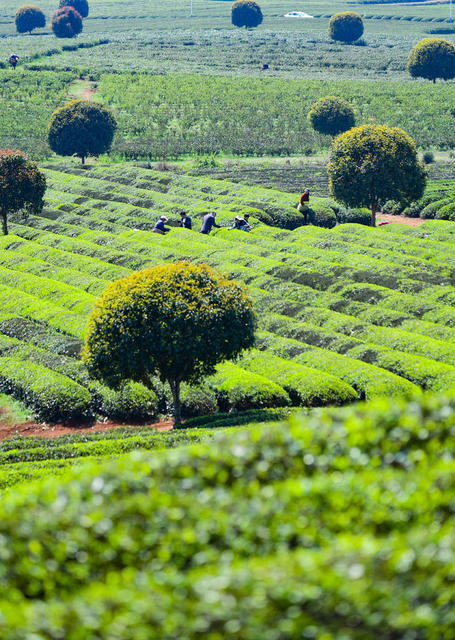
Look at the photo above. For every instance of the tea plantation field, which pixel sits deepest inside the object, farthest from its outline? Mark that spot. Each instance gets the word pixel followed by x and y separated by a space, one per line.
pixel 338 525
pixel 344 313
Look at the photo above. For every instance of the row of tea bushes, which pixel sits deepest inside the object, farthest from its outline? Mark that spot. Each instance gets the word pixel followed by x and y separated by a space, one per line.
pixel 337 523
pixel 318 287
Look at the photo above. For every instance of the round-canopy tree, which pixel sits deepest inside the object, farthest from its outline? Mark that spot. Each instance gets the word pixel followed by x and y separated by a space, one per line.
pixel 81 128
pixel 81 6
pixel 346 26
pixel 22 185
pixel 246 13
pixel 177 320
pixel 66 22
pixel 28 18
pixel 372 164
pixel 432 58
pixel 331 115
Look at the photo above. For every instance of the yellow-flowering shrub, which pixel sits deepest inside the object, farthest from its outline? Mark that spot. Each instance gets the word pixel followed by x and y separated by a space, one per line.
pixel 177 320
pixel 375 163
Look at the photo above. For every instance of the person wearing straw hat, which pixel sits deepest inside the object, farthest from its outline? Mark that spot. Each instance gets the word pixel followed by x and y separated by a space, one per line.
pixel 159 226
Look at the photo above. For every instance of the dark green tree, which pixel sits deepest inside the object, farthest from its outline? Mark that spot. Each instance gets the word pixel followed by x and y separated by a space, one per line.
pixel 246 13
pixel 346 26
pixel 432 58
pixel 372 164
pixel 66 22
pixel 22 185
pixel 81 6
pixel 28 18
pixel 81 128
pixel 178 321
pixel 331 115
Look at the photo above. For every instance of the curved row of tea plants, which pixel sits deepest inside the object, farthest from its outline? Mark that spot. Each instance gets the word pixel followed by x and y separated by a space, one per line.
pixel 343 314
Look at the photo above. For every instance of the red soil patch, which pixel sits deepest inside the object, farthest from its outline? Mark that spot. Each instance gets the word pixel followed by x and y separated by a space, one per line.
pixel 88 93
pixel 411 222
pixel 30 428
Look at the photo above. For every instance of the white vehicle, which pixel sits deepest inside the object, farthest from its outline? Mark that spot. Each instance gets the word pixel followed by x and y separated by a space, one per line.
pixel 297 14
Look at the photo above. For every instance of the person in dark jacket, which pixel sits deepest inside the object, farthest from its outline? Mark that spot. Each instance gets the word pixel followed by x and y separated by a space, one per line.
pixel 13 60
pixel 304 205
pixel 160 228
pixel 208 222
pixel 185 221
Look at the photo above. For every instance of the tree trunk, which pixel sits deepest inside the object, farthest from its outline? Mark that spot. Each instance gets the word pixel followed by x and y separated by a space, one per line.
pixel 4 224
pixel 83 159
pixel 374 208
pixel 175 389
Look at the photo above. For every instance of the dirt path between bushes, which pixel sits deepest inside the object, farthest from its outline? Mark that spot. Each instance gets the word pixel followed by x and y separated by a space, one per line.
pixel 410 222
pixel 35 429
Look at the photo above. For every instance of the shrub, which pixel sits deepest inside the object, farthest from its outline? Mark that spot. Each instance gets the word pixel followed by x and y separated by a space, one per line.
pixel 429 212
pixel 276 215
pixel 51 395
pixel 81 6
pixel 413 211
pixel 428 157
pixel 305 386
pixel 432 58
pixel 246 13
pixel 357 215
pixel 346 26
pixel 240 390
pixel 28 18
pixel 447 212
pixel 22 185
pixel 392 207
pixel 131 403
pixel 177 320
pixel 321 216
pixel 198 401
pixel 331 115
pixel 81 128
pixel 372 164
pixel 66 23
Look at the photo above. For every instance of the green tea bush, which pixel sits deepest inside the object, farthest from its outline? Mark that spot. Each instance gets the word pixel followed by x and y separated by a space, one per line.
pixel 346 26
pixel 81 6
pixel 240 390
pixel 52 396
pixel 198 401
pixel 429 212
pixel 447 212
pixel 432 58
pixel 66 22
pixel 28 18
pixel 357 215
pixel 305 386
pixel 322 216
pixel 132 402
pixel 392 207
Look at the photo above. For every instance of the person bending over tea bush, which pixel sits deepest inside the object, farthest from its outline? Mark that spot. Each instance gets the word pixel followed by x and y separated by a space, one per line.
pixel 179 320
